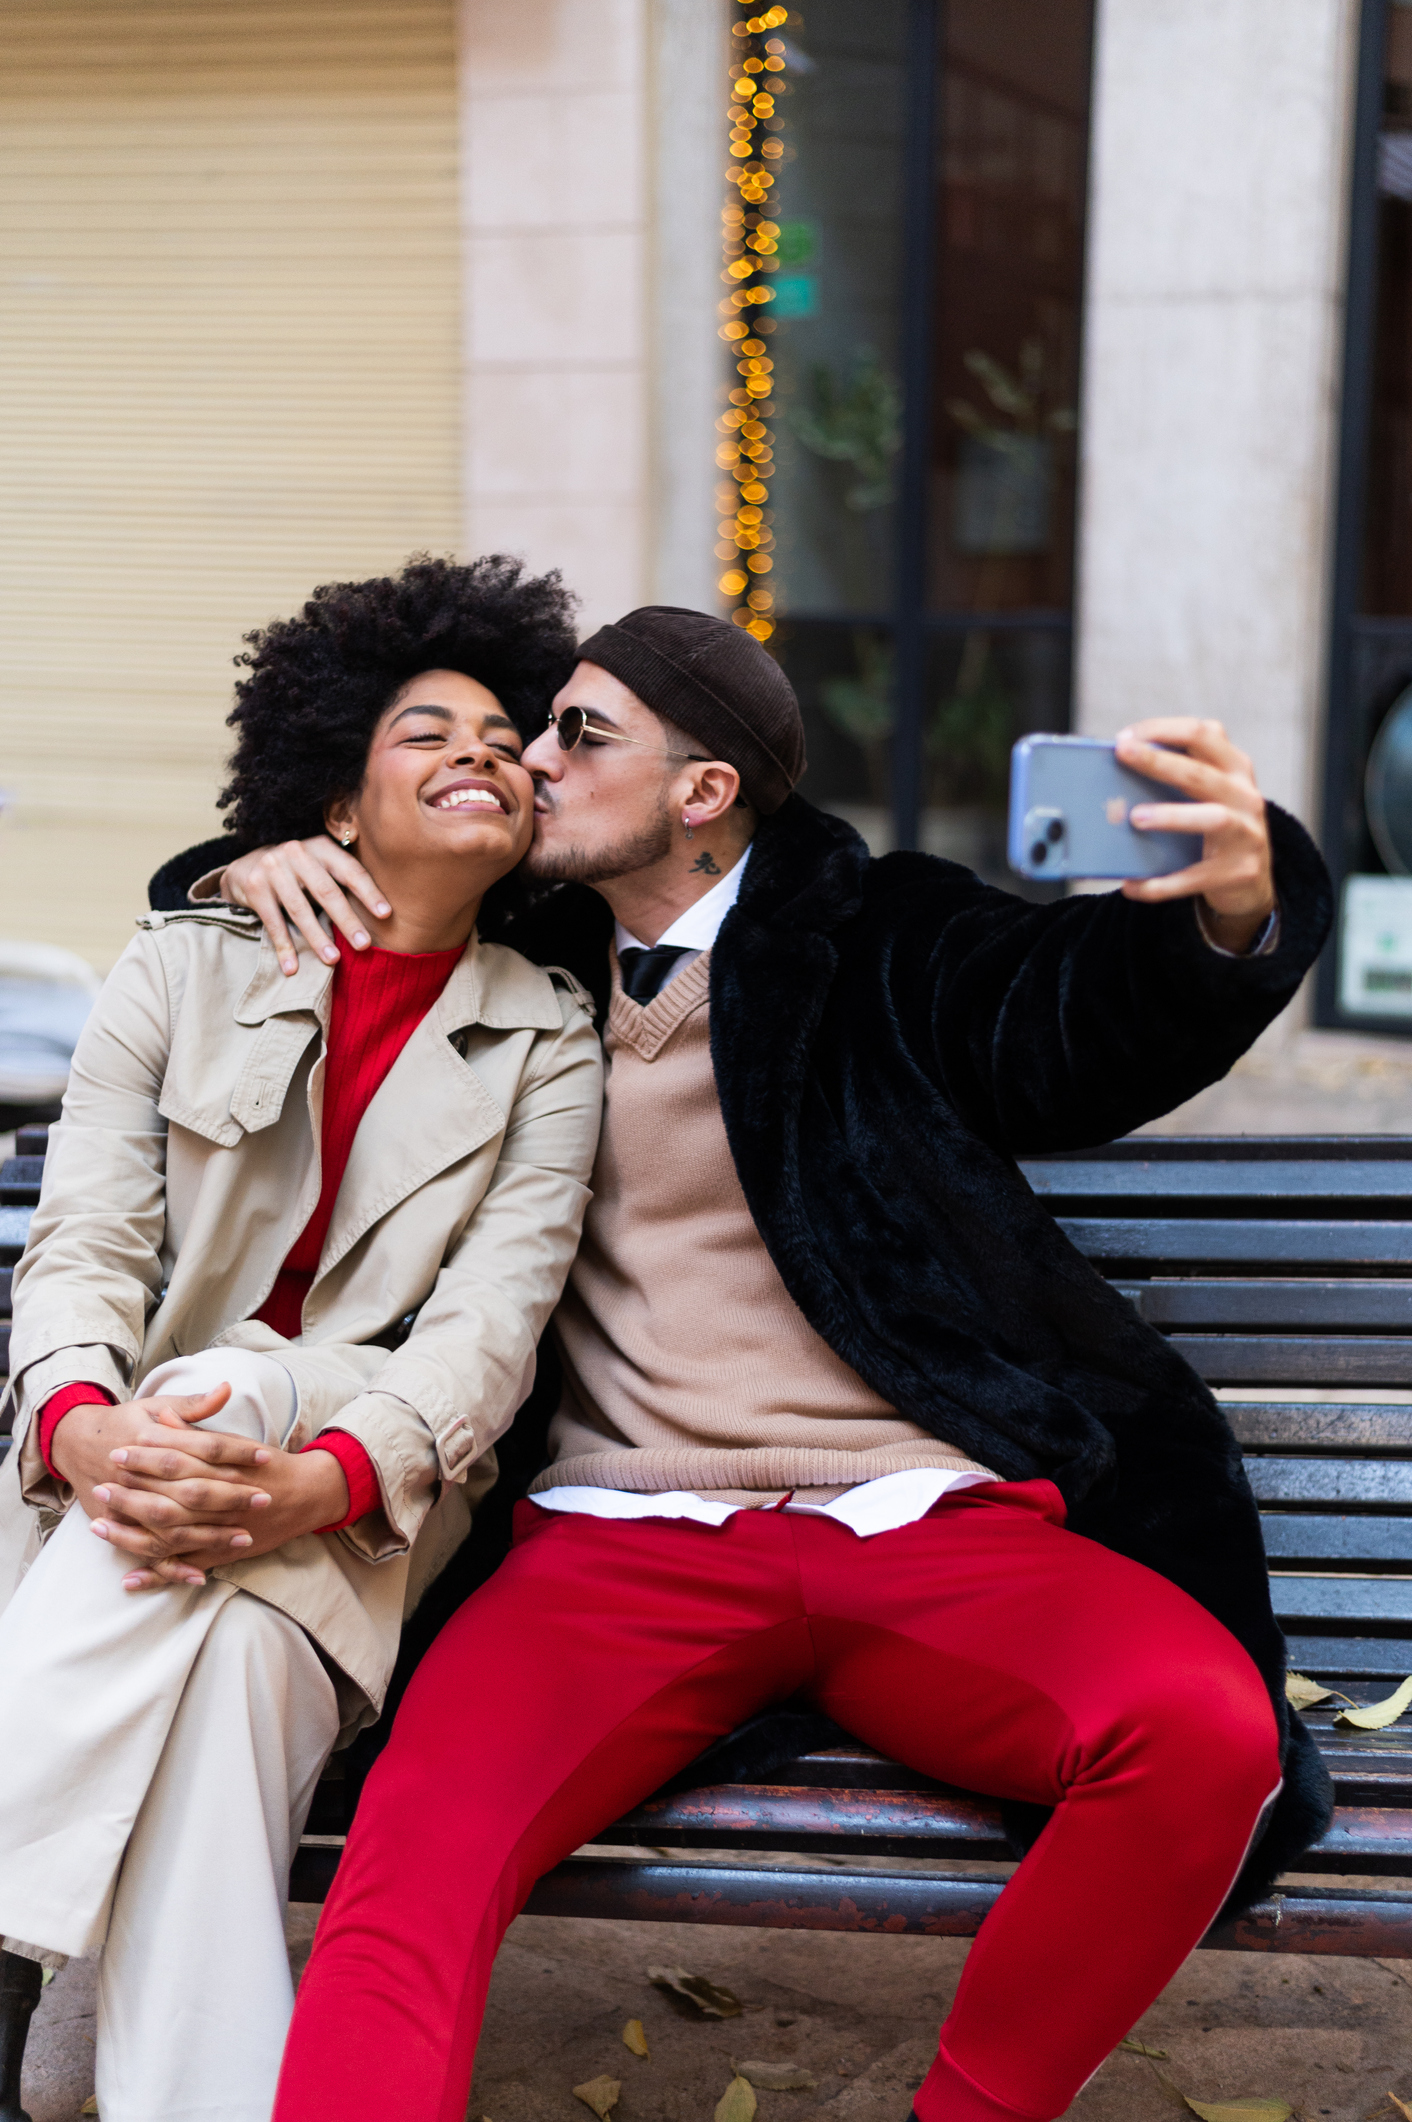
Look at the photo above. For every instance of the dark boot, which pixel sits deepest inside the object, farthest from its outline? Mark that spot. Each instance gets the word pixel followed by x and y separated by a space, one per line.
pixel 20 1984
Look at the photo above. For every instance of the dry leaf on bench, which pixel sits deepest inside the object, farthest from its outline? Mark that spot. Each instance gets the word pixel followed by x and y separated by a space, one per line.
pixel 1241 2110
pixel 601 2094
pixel 737 2103
pixel 1378 1715
pixel 777 2077
pixel 1304 1693
pixel 716 2003
pixel 1135 2047
pixel 635 2038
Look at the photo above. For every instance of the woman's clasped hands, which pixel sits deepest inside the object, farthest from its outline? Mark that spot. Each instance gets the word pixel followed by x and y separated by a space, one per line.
pixel 181 1500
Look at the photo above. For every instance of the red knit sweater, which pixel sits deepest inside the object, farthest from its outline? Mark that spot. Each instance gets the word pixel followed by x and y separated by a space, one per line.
pixel 379 999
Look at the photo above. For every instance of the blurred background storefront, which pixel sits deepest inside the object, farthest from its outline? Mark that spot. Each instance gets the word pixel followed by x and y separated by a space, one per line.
pixel 1006 364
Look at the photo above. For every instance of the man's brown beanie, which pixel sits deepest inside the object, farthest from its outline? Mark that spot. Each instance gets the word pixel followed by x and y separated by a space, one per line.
pixel 716 682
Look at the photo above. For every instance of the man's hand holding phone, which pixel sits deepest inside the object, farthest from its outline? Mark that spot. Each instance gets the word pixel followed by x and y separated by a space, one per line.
pixel 1234 875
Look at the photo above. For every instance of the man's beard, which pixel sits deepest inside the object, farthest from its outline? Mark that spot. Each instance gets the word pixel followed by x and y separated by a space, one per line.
pixel 621 858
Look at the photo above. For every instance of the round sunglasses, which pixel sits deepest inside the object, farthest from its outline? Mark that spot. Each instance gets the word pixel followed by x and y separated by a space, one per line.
pixel 573 725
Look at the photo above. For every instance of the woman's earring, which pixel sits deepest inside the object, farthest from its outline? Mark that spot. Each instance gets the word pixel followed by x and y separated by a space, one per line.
pixel 345 838
pixel 686 821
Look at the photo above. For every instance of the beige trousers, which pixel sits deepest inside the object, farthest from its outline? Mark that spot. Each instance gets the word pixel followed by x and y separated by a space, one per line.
pixel 160 1756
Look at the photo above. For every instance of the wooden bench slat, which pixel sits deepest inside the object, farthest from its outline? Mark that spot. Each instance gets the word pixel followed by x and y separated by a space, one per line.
pixel 1308 1306
pixel 1338 1542
pixel 1348 1481
pixel 1357 1602
pixel 19 1181
pixel 1331 1361
pixel 1200 1149
pixel 14 1229
pixel 1240 1241
pixel 1315 1426
pixel 764 1816
pixel 1330 1181
pixel 1328 1920
pixel 1335 1660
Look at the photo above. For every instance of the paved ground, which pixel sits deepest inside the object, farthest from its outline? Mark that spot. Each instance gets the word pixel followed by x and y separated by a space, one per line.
pixel 1330 2037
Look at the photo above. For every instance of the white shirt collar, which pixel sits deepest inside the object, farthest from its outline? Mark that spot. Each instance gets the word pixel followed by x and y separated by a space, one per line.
pixel 698 927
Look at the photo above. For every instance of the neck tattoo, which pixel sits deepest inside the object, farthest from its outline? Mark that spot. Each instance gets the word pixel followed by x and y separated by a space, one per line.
pixel 705 866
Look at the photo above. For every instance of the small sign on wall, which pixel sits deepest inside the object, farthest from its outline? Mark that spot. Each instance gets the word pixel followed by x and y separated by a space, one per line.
pixel 1375 947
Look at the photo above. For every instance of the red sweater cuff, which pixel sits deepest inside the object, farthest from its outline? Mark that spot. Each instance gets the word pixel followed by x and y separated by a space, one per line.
pixel 364 1494
pixel 57 1406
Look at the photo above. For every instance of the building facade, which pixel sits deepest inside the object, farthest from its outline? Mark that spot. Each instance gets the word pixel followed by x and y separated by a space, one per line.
pixel 1005 364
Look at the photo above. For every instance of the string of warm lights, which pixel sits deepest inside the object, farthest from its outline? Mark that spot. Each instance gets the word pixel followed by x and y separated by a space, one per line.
pixel 749 241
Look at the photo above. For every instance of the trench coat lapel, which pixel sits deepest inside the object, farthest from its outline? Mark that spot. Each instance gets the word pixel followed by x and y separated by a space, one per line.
pixel 432 1108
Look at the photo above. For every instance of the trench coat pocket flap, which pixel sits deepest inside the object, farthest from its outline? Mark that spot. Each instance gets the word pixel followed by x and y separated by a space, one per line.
pixel 258 1098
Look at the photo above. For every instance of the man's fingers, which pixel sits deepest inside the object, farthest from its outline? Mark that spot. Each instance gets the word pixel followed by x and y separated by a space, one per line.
pixel 277 886
pixel 351 875
pixel 1198 735
pixel 314 868
pixel 261 900
pixel 1196 777
pixel 1180 884
pixel 1194 818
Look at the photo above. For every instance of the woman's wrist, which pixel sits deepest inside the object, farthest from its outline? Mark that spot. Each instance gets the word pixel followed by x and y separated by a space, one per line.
pixel 324 1490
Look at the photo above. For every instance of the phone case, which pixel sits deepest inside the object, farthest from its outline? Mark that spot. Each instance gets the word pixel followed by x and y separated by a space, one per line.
pixel 1069 804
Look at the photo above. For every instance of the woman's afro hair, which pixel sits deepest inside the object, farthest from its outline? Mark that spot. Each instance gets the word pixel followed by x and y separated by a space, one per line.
pixel 318 683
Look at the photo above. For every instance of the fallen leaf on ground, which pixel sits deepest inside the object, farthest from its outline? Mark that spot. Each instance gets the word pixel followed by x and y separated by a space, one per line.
pixel 1378 1715
pixel 635 2038
pixel 716 2003
pixel 1304 1693
pixel 737 2103
pixel 601 2094
pixel 1401 2106
pixel 776 2077
pixel 90 2105
pixel 1241 2110
pixel 1140 2048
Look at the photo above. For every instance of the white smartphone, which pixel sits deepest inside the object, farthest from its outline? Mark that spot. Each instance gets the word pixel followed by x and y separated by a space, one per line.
pixel 1069 804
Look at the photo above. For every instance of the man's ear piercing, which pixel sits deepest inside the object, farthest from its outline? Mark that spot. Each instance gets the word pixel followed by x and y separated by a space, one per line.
pixel 686 821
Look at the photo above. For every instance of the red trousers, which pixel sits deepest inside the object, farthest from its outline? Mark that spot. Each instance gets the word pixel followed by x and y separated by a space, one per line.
pixel 983 1645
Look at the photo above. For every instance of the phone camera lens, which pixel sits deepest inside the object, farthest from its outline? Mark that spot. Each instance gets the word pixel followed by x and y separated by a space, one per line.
pixel 1039 852
pixel 1055 832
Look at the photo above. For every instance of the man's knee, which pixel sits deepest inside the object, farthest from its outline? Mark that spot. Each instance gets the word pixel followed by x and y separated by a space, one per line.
pixel 1212 1728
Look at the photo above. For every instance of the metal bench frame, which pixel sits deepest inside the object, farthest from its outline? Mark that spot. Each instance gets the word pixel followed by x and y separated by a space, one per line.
pixel 1277 1266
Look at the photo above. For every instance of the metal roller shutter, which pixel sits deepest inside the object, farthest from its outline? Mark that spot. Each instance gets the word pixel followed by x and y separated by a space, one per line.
pixel 229 370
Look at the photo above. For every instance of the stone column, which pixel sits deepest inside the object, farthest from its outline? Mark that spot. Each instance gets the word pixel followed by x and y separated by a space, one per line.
pixel 1216 250
pixel 555 235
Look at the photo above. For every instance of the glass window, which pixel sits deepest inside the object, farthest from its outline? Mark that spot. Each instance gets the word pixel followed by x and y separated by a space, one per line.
pixel 1367 981
pixel 907 208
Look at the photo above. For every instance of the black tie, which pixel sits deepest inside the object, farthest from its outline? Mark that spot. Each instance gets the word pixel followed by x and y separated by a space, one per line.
pixel 645 971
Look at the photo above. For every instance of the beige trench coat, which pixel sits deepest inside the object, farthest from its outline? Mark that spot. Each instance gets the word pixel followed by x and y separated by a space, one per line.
pixel 186 1163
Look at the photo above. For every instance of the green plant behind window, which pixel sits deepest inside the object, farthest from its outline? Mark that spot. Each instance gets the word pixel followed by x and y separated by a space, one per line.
pixel 857 422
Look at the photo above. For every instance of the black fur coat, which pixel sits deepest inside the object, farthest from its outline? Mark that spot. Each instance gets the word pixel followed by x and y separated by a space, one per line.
pixel 888 1036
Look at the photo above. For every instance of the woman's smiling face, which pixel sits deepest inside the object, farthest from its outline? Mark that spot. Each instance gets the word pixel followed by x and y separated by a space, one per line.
pixel 443 780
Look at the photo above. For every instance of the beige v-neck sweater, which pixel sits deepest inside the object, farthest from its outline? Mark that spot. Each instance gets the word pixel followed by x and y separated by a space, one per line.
pixel 687 1363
